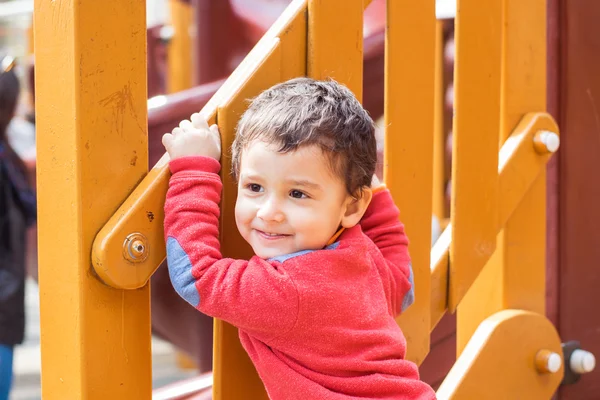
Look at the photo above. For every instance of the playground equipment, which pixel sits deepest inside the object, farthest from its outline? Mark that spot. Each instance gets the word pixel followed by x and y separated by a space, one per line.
pixel 101 215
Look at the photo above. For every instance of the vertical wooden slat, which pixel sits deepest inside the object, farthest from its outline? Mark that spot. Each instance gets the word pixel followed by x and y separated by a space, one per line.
pixel 234 374
pixel 281 55
pixel 335 42
pixel 408 166
pixel 515 276
pixel 475 142
pixel 91 119
pixel 439 192
pixel 180 50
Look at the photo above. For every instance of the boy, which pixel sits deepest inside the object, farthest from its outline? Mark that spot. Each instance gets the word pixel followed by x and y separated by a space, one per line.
pixel 315 306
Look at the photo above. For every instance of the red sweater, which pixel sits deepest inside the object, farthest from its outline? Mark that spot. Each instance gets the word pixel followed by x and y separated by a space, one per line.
pixel 316 324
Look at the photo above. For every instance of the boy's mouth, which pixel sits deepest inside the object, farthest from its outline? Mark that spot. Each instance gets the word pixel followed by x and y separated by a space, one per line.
pixel 270 235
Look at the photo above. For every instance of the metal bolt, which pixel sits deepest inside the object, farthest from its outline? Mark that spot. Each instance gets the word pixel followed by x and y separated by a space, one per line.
pixel 135 247
pixel 582 361
pixel 546 142
pixel 547 361
pixel 167 32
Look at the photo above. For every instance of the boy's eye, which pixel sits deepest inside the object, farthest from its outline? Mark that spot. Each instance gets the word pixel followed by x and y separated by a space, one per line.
pixel 254 187
pixel 297 194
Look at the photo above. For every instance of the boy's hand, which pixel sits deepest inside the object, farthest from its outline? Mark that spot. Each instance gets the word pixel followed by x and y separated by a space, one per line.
pixel 193 138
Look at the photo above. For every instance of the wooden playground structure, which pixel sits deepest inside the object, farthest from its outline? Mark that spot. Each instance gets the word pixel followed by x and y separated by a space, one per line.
pixel 101 208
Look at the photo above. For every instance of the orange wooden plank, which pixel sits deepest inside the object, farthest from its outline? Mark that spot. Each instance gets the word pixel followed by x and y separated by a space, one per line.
pixel 91 119
pixel 475 142
pixel 335 42
pixel 515 276
pixel 408 165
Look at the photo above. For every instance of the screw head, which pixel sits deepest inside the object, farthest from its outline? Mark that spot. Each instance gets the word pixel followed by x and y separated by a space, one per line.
pixel 546 142
pixel 554 362
pixel 582 361
pixel 135 247
pixel 547 361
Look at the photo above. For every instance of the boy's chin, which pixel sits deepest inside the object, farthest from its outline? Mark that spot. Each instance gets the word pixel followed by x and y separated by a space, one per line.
pixel 268 253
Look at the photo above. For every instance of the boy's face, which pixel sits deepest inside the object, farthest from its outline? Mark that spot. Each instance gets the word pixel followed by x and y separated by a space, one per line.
pixel 288 202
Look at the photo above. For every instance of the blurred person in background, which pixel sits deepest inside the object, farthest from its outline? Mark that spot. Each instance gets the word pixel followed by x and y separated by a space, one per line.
pixel 17 212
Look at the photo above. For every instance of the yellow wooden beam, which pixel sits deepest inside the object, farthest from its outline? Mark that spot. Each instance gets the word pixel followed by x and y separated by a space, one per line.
pixel 408 157
pixel 475 141
pixel 234 374
pixel 439 134
pixel 92 151
pixel 440 275
pixel 335 42
pixel 520 165
pixel 515 276
pixel 180 47
pixel 143 211
pixel 504 360
pixel 277 59
pixel 280 55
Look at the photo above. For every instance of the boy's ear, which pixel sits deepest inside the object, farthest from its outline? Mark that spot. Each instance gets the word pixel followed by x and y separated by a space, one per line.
pixel 356 208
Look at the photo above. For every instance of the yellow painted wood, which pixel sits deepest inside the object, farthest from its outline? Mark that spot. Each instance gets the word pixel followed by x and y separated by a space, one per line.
pixel 30 46
pixel 335 42
pixel 92 150
pixel 520 166
pixel 475 141
pixel 279 59
pixel 499 361
pixel 408 155
pixel 439 187
pixel 440 274
pixel 280 55
pixel 234 374
pixel 515 276
pixel 143 210
pixel 180 48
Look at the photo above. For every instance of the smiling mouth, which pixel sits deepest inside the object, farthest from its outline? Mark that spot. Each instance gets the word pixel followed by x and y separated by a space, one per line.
pixel 271 236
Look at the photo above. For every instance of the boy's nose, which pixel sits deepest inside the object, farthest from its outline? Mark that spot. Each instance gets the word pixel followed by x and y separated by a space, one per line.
pixel 269 211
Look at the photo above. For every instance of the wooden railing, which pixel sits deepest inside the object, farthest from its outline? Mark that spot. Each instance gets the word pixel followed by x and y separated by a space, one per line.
pixel 488 264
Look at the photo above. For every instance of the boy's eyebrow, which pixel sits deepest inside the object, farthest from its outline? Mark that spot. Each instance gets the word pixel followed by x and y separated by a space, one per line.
pixel 293 182
pixel 251 176
pixel 305 183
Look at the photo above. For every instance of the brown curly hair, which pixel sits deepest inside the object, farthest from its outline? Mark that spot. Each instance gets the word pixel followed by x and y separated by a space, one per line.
pixel 304 112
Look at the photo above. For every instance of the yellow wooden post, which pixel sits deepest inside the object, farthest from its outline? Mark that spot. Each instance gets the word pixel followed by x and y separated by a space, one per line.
pixel 515 276
pixel 92 151
pixel 179 53
pixel 408 166
pixel 30 46
pixel 475 142
pixel 335 42
pixel 280 55
pixel 234 374
pixel 439 192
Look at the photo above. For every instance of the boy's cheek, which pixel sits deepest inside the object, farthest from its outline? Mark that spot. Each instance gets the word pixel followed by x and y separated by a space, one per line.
pixel 242 215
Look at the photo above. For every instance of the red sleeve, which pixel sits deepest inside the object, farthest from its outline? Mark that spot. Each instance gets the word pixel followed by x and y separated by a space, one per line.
pixel 253 295
pixel 382 225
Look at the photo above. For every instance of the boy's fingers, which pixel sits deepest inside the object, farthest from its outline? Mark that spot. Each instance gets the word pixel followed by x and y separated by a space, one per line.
pixel 216 137
pixel 215 130
pixel 198 121
pixel 176 131
pixel 167 139
pixel 186 124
